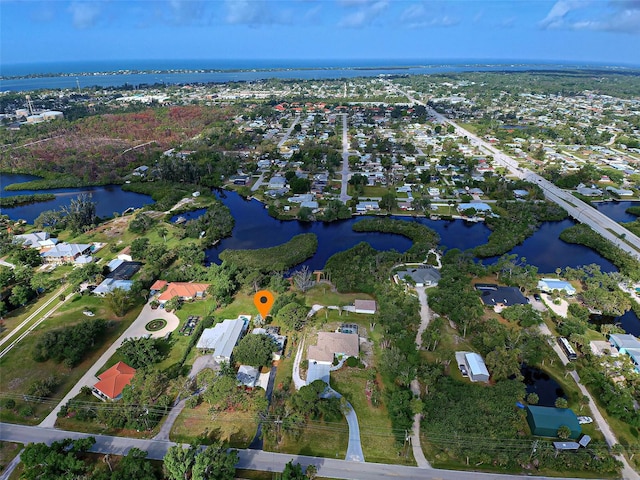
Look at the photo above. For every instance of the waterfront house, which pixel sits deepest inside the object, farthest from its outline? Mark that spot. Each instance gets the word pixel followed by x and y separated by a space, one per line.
pixel 545 421
pixel 421 277
pixel 39 240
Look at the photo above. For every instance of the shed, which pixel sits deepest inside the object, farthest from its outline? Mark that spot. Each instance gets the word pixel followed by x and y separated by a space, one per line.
pixel 545 421
pixel 365 306
pixel 476 367
pixel 566 445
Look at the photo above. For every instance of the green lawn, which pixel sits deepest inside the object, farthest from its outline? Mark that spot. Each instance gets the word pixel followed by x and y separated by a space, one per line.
pixel 323 295
pixel 12 319
pixel 19 369
pixel 8 452
pixel 376 434
pixel 198 425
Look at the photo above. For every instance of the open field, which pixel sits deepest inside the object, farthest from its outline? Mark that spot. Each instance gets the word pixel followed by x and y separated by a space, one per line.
pixel 198 425
pixel 19 369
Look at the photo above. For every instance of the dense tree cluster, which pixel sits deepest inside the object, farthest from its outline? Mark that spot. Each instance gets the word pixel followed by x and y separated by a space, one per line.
pixel 69 344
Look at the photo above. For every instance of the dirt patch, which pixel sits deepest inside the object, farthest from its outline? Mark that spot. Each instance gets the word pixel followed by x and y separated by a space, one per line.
pixel 115 228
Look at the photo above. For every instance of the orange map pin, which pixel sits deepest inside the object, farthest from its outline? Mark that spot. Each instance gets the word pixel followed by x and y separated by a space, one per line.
pixel 263 300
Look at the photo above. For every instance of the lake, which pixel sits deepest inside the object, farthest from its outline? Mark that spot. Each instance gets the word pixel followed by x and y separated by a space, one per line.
pixel 108 198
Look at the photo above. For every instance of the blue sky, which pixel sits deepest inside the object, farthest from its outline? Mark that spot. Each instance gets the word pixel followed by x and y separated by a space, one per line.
pixel 566 30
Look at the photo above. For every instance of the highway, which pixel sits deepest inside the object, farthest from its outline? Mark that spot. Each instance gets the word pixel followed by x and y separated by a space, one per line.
pixel 257 459
pixel 579 210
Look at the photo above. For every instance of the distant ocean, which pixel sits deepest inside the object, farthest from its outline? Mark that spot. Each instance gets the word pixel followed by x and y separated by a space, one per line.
pixel 63 75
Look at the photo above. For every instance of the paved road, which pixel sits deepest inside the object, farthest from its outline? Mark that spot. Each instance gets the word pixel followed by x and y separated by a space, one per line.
pixel 418 454
pixel 258 183
pixel 578 209
pixel 258 459
pixel 31 317
pixel 136 329
pixel 345 162
pixel 37 323
pixel 288 132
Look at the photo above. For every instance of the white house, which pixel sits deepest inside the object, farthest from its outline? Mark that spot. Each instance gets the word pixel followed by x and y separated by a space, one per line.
pixel 222 338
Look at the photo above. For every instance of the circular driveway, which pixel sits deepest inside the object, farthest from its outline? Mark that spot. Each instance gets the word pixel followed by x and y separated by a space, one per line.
pixel 146 315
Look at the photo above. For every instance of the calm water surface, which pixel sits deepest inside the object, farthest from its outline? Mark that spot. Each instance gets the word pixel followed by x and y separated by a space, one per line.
pixel 108 198
pixel 537 381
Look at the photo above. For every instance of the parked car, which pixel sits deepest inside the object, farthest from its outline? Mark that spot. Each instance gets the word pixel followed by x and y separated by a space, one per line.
pixel 463 370
pixel 537 297
pixel 583 420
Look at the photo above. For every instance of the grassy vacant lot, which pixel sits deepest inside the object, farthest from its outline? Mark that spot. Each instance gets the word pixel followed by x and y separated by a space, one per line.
pixel 197 425
pixel 323 295
pixel 317 438
pixel 376 434
pixel 8 451
pixel 19 369
pixel 17 316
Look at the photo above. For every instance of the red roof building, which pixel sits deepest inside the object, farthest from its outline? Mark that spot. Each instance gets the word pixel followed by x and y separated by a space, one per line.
pixel 158 285
pixel 113 381
pixel 183 290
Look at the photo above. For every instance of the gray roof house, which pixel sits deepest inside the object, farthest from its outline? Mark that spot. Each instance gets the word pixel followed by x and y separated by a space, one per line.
pixel 247 376
pixel 421 277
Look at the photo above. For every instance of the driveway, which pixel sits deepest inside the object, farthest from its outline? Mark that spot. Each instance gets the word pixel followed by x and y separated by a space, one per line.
pixel 354 449
pixel 137 328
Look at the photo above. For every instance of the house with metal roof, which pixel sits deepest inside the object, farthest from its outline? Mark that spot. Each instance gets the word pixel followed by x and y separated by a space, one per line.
pixel 36 240
pixel 65 252
pixel 222 338
pixel 475 366
pixel 545 421
pixel 624 342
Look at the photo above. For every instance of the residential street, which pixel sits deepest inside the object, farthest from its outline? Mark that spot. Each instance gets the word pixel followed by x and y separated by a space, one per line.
pixel 345 162
pixel 259 459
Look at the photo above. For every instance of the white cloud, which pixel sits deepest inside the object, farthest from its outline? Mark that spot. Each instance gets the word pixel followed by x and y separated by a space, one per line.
pixel 365 14
pixel 187 11
pixel 254 13
pixel 556 16
pixel 419 16
pixel 85 14
pixel 621 16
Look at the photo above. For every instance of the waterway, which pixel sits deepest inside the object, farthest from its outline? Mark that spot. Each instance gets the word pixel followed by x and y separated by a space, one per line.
pixel 137 73
pixel 109 198
pixel 617 210
pixel 254 228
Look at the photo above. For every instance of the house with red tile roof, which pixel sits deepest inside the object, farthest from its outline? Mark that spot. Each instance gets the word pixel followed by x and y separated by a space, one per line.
pixel 183 290
pixel 113 381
